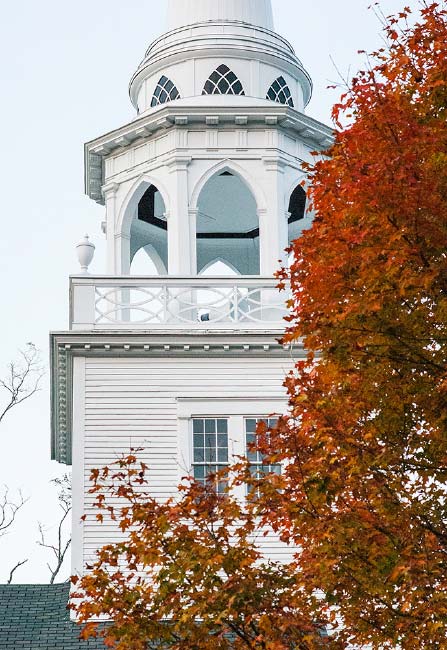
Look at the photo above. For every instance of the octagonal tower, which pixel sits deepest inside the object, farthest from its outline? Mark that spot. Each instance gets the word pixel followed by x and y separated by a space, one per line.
pixel 202 193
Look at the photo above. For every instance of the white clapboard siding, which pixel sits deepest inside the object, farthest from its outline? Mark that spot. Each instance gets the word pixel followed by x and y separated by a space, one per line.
pixel 134 402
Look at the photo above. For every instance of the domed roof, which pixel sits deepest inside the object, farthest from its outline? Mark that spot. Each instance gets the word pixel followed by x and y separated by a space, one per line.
pixel 189 12
pixel 204 36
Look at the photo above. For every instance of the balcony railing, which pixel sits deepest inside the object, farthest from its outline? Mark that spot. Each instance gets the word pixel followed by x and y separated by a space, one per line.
pixel 105 302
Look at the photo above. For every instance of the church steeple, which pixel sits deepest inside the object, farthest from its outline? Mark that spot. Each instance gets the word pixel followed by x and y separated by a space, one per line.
pixel 189 12
pixel 211 167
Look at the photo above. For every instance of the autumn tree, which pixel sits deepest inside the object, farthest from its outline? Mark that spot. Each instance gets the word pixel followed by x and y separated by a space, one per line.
pixel 188 573
pixel 366 449
pixel 364 446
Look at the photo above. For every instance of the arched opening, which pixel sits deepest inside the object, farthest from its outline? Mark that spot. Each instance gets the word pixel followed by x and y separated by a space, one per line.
pixel 165 91
pixel 149 235
pixel 279 92
pixel 297 210
pixel 228 225
pixel 223 81
pixel 219 268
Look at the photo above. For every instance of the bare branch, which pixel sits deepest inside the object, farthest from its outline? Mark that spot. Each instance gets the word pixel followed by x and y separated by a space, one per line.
pixel 59 548
pixel 9 510
pixel 22 380
pixel 17 566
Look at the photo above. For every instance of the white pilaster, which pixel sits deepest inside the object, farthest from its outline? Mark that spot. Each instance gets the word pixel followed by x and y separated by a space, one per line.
pixel 181 242
pixel 109 192
pixel 273 223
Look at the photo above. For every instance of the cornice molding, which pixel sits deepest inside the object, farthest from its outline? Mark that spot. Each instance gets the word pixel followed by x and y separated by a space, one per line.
pixel 316 134
pixel 65 346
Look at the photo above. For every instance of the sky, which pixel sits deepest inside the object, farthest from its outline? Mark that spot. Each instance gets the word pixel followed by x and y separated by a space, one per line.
pixel 64 74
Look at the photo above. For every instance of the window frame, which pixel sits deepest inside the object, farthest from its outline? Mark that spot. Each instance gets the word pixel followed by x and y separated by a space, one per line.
pixel 160 91
pixel 199 429
pixel 258 465
pixel 280 88
pixel 223 75
pixel 236 411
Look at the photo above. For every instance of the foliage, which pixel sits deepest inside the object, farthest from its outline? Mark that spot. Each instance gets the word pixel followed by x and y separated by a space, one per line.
pixel 188 573
pixel 362 494
pixel 364 491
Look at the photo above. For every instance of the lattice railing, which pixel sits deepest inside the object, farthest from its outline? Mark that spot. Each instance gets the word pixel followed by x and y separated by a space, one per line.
pixel 151 302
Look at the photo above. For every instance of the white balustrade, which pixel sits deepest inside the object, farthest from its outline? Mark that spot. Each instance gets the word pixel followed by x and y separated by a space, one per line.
pixel 105 302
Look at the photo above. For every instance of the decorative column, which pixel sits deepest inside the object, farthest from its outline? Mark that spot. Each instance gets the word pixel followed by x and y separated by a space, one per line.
pixel 114 252
pixel 181 239
pixel 273 222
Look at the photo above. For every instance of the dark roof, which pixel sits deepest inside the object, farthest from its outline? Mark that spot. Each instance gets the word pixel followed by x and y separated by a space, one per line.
pixel 35 617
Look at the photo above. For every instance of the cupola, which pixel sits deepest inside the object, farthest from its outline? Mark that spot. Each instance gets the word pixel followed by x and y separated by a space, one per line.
pixel 205 38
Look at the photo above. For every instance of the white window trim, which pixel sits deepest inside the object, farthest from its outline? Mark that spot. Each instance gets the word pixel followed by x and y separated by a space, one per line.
pixel 236 410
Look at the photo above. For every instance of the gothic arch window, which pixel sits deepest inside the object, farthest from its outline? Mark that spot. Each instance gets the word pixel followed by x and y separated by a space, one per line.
pixel 297 210
pixel 223 81
pixel 297 204
pixel 280 92
pixel 149 235
pixel 165 91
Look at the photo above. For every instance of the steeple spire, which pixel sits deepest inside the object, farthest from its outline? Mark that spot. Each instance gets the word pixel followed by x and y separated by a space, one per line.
pixel 188 12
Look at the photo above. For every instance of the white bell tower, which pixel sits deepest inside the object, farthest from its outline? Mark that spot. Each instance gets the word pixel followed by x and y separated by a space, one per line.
pixel 207 179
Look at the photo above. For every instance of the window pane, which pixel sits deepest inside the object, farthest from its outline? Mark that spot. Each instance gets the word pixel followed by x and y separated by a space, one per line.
pixel 223 86
pixel 222 426
pixel 199 472
pixel 198 426
pixel 199 455
pixel 210 455
pixel 210 441
pixel 210 426
pixel 199 440
pixel 250 426
pixel 222 440
pixel 222 456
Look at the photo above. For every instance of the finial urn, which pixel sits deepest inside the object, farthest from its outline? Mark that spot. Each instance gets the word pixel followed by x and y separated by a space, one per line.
pixel 85 250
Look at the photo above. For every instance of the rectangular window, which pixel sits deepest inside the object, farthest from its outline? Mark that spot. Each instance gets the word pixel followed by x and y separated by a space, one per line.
pixel 259 467
pixel 210 448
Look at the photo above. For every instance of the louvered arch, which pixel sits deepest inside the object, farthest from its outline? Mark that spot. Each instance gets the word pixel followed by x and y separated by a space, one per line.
pixel 279 92
pixel 223 81
pixel 165 91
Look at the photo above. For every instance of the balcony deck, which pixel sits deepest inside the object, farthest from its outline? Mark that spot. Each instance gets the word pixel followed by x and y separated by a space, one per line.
pixel 151 303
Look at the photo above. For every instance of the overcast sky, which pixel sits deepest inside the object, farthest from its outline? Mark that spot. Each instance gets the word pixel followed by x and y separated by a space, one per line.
pixel 64 73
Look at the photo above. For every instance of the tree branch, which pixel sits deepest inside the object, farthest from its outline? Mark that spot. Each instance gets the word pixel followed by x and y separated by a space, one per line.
pixel 22 381
pixel 17 566
pixel 60 548
pixel 9 510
